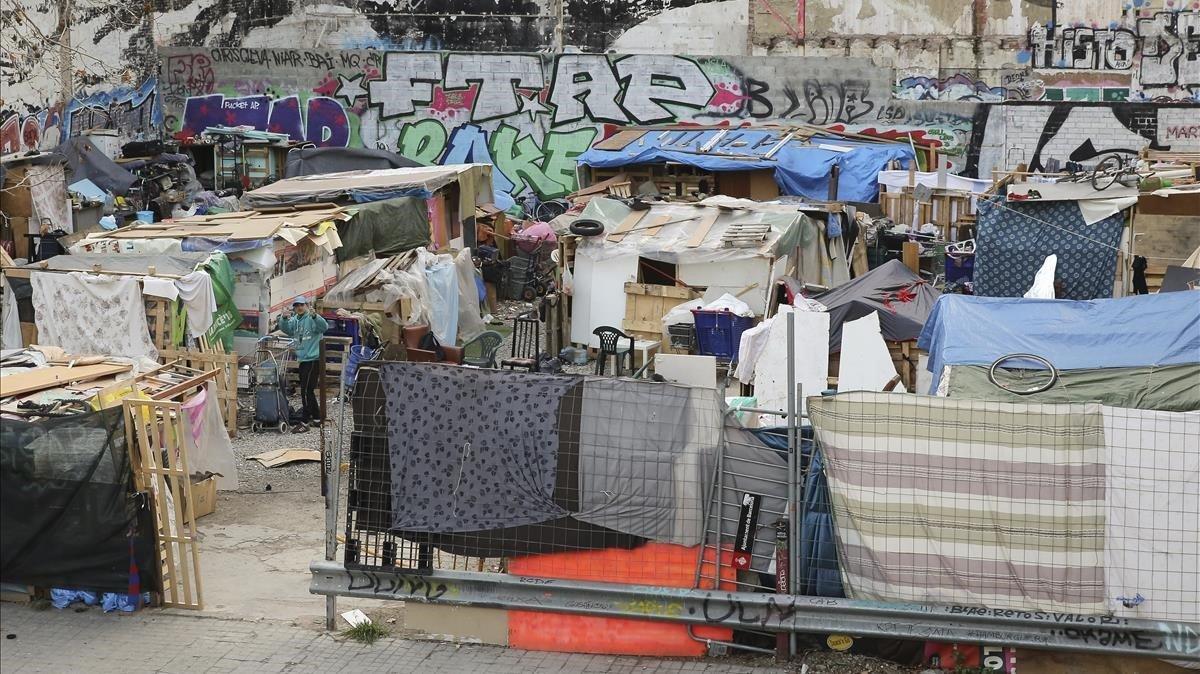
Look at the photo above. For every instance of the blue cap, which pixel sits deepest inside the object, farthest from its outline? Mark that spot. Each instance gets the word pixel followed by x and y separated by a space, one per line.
pixel 300 300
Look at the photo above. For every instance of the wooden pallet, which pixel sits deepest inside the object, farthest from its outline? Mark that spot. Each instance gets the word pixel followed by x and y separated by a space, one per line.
pixel 153 430
pixel 205 358
pixel 159 317
pixel 646 304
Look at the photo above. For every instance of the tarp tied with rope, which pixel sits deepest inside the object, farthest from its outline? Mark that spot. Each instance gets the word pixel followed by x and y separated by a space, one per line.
pixel 1013 239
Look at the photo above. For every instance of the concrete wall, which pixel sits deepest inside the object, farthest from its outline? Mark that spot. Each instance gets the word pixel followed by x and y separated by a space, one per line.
pixel 481 82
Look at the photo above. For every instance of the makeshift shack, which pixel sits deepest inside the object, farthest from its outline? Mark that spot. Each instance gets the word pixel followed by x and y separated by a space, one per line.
pixel 902 300
pixel 275 256
pixel 33 201
pixel 451 194
pixel 103 292
pixel 118 510
pixel 647 261
pixel 760 163
pixel 1135 352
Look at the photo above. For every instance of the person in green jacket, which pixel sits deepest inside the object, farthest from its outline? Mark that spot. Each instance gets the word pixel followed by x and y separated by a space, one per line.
pixel 306 327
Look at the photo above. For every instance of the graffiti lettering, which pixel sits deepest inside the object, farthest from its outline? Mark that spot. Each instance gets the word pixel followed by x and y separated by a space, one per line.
pixel 396 586
pixel 128 111
pixel 1191 131
pixel 827 103
pixel 585 86
pixel 652 81
pixel 324 121
pixel 959 87
pixel 1167 46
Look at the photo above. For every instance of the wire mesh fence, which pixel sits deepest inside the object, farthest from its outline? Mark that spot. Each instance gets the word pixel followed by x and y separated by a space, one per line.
pixel 1077 510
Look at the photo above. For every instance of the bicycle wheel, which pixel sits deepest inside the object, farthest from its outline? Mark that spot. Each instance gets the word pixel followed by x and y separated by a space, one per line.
pixel 1012 378
pixel 548 210
pixel 1107 171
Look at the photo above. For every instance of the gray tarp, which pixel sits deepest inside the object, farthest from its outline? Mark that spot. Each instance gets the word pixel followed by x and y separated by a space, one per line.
pixel 85 161
pixel 388 227
pixel 643 447
pixel 472 449
pixel 751 467
pixel 1171 387
pixel 319 160
pixel 902 299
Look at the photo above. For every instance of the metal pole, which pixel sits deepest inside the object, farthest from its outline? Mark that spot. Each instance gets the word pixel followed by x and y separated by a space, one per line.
pixel 332 484
pixel 792 454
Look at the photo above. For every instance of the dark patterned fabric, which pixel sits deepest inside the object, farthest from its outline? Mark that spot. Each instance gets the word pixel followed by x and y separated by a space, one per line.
pixel 1013 240
pixel 472 449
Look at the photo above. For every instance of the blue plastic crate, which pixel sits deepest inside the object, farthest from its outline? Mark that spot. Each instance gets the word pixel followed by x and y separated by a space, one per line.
pixel 719 333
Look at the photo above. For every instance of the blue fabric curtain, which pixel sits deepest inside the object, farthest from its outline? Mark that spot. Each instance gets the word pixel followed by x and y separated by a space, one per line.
pixel 1014 238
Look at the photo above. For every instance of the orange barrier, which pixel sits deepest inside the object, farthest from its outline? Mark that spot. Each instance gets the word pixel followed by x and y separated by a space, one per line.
pixel 658 564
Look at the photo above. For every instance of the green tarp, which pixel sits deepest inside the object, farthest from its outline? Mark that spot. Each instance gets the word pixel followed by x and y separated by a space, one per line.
pixel 227 317
pixel 388 227
pixel 1174 388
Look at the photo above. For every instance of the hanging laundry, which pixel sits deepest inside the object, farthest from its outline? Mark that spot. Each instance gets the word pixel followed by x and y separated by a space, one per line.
pixel 88 314
pixel 159 287
pixel 472 449
pixel 196 291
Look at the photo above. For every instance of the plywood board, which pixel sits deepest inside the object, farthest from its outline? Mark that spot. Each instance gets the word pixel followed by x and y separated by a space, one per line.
pixel 619 140
pixel 43 378
pixel 627 224
pixel 703 228
pixel 689 370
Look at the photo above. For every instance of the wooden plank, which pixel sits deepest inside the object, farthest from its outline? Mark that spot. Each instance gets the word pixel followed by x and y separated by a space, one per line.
pixel 656 225
pixel 911 255
pixel 627 224
pixel 42 378
pixel 706 223
pixel 632 288
pixel 154 433
pixel 858 259
pixel 620 140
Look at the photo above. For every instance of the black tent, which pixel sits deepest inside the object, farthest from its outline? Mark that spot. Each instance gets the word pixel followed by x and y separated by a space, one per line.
pixel 319 160
pixel 902 299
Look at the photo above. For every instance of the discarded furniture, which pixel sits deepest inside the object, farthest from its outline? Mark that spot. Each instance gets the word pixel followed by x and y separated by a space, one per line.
pixel 526 342
pixel 487 344
pixel 412 336
pixel 610 346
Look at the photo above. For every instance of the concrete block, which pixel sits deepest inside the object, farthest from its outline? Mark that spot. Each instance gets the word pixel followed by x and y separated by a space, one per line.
pixel 458 623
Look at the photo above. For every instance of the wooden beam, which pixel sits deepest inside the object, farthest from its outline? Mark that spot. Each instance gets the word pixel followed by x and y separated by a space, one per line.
pixel 626 225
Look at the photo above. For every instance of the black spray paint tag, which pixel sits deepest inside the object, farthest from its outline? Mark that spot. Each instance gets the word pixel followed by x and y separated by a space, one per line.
pixel 747 528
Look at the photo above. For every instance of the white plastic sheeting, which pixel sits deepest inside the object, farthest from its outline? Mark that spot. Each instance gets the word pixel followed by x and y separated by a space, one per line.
pixel 866 364
pixel 811 360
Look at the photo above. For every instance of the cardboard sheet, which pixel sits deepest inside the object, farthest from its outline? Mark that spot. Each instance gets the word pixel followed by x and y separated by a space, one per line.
pixel 279 457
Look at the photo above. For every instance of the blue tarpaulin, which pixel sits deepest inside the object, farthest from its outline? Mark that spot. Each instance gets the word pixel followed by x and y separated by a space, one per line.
pixel 802 168
pixel 1138 331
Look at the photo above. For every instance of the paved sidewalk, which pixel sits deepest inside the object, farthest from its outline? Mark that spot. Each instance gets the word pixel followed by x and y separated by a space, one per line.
pixel 57 641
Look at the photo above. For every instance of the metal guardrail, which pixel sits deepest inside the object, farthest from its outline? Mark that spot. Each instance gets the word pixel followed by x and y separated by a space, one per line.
pixel 770 612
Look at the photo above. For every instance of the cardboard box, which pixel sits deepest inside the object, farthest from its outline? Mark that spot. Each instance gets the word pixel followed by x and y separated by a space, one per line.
pixel 203 496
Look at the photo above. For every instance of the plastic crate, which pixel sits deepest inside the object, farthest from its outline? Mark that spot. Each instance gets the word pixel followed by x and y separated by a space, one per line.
pixel 719 333
pixel 683 336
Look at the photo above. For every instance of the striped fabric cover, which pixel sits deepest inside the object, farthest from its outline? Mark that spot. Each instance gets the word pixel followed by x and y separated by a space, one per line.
pixel 967 502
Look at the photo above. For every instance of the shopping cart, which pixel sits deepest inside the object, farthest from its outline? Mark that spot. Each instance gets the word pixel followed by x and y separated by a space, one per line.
pixel 269 376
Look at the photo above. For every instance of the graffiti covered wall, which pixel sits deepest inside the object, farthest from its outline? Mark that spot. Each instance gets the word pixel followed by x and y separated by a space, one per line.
pixel 528 114
pixel 130 112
